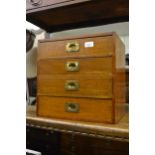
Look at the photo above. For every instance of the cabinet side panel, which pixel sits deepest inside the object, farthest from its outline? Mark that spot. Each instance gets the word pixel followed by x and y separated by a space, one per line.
pixel 119 79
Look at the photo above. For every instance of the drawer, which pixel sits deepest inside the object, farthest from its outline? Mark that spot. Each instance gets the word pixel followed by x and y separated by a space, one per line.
pixel 34 4
pixel 85 47
pixel 75 66
pixel 87 85
pixel 82 109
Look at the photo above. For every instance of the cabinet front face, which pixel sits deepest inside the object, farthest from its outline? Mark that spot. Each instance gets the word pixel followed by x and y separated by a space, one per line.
pixel 75 108
pixel 78 79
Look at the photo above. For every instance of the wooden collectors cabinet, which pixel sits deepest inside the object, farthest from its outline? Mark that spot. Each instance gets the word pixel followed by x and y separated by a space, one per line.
pixel 82 78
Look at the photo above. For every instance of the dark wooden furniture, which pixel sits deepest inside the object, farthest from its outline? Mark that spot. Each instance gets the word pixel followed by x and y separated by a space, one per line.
pixel 79 138
pixel 42 140
pixel 57 15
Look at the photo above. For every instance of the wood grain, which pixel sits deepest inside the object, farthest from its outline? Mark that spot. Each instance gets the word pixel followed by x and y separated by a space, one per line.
pixel 103 46
pixel 101 74
pixel 78 13
pixel 119 85
pixel 90 85
pixel 90 109
pixel 118 131
pixel 92 146
pixel 76 142
pixel 86 65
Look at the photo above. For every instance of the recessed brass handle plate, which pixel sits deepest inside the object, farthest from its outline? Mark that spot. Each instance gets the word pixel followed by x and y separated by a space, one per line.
pixel 72 107
pixel 72 47
pixel 72 66
pixel 71 85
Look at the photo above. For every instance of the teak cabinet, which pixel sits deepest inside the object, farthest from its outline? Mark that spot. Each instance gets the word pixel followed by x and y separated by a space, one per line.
pixel 82 78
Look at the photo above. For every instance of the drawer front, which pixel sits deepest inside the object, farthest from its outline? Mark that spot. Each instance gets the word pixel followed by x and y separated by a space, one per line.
pixel 89 85
pixel 89 47
pixel 75 66
pixel 75 108
pixel 34 4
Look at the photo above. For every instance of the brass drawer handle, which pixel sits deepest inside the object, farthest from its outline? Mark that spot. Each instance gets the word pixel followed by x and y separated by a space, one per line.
pixel 72 66
pixel 71 85
pixel 72 107
pixel 72 47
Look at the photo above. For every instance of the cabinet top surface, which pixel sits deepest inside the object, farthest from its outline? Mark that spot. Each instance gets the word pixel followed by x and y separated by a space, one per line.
pixel 108 34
